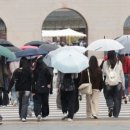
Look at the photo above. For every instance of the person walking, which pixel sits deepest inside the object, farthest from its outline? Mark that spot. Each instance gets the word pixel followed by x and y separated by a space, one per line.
pixel 95 75
pixel 41 89
pixel 22 78
pixel 126 69
pixel 66 86
pixel 114 83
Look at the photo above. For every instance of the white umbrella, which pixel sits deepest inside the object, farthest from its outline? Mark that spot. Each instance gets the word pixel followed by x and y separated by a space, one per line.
pixel 105 45
pixel 48 57
pixel 125 41
pixel 69 61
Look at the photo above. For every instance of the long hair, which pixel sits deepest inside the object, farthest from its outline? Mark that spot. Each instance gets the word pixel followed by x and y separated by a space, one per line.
pixel 112 59
pixel 24 63
pixel 93 66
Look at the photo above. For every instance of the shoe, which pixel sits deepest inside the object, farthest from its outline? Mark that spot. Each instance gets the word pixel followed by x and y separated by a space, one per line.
pixel 95 117
pixel 23 120
pixel 69 119
pixel 64 117
pixel 110 113
pixel 38 117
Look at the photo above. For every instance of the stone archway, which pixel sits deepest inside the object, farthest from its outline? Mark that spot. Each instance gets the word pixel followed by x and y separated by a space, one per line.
pixel 126 28
pixel 65 18
pixel 3 30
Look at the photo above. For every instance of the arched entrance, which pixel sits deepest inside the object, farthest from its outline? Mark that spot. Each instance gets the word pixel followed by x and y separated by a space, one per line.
pixel 65 18
pixel 3 30
pixel 126 28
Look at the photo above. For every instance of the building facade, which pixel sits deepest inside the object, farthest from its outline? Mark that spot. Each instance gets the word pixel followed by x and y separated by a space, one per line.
pixel 24 19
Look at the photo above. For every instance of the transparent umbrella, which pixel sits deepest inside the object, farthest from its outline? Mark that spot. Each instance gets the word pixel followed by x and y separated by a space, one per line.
pixel 69 61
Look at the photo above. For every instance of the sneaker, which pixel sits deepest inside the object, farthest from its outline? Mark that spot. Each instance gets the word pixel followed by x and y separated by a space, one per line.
pixel 23 120
pixel 110 113
pixel 64 117
pixel 95 117
pixel 38 117
pixel 69 119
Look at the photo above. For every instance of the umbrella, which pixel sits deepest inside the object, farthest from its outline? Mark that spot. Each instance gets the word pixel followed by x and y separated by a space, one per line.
pixel 35 43
pixel 8 45
pixel 125 41
pixel 30 52
pixel 48 47
pixel 48 57
pixel 28 47
pixel 105 45
pixel 69 61
pixel 62 33
pixel 7 53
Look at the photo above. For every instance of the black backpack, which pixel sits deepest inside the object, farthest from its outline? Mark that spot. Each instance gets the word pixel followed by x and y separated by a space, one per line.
pixel 67 83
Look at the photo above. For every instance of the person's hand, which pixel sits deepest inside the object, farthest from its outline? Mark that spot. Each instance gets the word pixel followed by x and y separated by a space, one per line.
pixel 33 94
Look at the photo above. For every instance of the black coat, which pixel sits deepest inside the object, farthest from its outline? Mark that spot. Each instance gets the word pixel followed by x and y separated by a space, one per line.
pixel 42 78
pixel 22 78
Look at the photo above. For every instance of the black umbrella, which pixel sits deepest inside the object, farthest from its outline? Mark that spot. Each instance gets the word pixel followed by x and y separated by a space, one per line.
pixel 35 43
pixel 48 47
pixel 9 45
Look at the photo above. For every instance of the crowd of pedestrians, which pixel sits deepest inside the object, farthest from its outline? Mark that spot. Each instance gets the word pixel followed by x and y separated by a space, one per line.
pixel 31 82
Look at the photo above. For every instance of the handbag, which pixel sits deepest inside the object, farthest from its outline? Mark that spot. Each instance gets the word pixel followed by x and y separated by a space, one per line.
pixel 86 88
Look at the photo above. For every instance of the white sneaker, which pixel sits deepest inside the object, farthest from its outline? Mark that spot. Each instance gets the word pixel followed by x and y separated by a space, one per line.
pixel 23 120
pixel 38 117
pixel 69 119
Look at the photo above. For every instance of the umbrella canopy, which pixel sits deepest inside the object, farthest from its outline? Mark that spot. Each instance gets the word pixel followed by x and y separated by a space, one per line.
pixel 105 45
pixel 125 41
pixel 35 43
pixel 62 33
pixel 48 47
pixel 48 57
pixel 8 45
pixel 7 53
pixel 28 47
pixel 30 52
pixel 69 61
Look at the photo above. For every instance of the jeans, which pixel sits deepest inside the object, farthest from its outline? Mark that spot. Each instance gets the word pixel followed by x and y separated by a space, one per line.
pixel 126 84
pixel 23 97
pixel 113 98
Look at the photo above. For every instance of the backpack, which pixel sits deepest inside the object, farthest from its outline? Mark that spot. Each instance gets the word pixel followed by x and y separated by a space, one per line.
pixel 67 83
pixel 112 76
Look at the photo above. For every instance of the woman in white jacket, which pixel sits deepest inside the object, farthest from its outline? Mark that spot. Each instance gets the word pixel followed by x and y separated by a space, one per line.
pixel 114 83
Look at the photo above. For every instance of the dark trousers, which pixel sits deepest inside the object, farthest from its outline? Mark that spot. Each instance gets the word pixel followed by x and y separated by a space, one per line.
pixel 41 104
pixel 113 98
pixel 4 98
pixel 68 102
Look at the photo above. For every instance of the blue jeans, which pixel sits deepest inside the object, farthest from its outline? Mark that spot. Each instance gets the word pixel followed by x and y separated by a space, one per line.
pixel 126 84
pixel 23 97
pixel 113 98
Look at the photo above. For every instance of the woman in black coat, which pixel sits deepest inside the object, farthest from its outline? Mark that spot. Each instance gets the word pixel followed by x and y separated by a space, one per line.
pixel 41 89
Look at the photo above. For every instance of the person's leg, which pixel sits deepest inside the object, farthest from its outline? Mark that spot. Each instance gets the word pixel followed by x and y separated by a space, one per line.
pixel 95 101
pixel 20 95
pixel 37 104
pixel 88 105
pixel 108 93
pixel 117 100
pixel 45 105
pixel 24 109
pixel 1 96
pixel 71 103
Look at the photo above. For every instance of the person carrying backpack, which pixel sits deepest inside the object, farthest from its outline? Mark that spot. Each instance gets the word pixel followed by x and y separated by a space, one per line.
pixel 68 94
pixel 114 83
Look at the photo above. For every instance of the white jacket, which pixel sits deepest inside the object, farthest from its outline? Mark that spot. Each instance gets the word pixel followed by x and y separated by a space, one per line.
pixel 119 71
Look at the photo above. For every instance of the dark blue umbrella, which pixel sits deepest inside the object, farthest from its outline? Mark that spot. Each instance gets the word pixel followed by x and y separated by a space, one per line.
pixel 36 43
pixel 30 52
pixel 48 47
